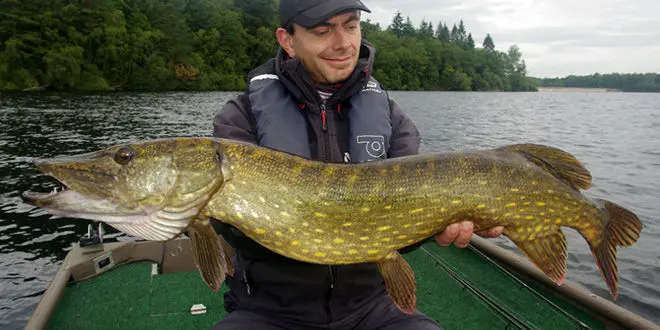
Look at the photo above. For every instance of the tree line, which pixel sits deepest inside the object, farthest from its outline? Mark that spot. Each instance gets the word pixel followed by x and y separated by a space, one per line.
pixel 100 45
pixel 630 82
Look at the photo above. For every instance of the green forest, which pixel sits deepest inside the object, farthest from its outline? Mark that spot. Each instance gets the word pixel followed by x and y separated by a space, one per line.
pixel 102 45
pixel 157 45
pixel 631 82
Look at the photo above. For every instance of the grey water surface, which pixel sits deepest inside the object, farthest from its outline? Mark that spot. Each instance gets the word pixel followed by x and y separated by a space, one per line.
pixel 616 135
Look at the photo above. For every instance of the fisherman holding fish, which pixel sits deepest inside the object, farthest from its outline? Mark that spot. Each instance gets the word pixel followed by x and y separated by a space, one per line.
pixel 317 99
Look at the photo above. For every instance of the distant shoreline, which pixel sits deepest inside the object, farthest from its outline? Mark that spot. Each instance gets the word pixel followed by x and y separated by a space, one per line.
pixel 577 89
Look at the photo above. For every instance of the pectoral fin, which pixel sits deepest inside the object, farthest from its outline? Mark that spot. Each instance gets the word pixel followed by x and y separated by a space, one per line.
pixel 548 253
pixel 399 281
pixel 208 253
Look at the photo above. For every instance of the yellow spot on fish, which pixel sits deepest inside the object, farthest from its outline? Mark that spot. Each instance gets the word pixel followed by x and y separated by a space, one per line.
pixel 305 224
pixel 407 225
pixel 295 243
pixel 419 223
pixel 388 207
pixel 376 244
pixel 417 210
pixel 515 190
pixel 254 214
pixel 540 204
pixel 278 243
pixel 347 224
pixel 320 215
pixel 338 240
pixel 529 217
pixel 402 236
pixel 223 214
pixel 277 233
pixel 385 239
pixel 401 189
pixel 550 191
pixel 456 201
pixel 352 251
pixel 481 206
pixel 458 179
pixel 305 250
pixel 316 240
pixel 239 215
pixel 364 238
pixel 365 209
pixel 558 221
pixel 320 254
pixel 534 183
pixel 284 214
pixel 318 230
pixel 425 186
pixel 384 228
pixel 260 231
pixel 372 251
pixel 538 228
pixel 520 229
pixel 337 253
pixel 510 205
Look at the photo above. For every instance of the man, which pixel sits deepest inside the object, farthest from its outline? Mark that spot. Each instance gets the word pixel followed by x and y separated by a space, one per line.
pixel 317 99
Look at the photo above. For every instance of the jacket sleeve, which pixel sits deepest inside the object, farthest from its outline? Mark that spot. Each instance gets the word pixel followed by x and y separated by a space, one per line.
pixel 405 138
pixel 234 121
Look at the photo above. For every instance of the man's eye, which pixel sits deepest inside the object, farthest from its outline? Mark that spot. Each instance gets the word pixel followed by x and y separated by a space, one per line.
pixel 321 32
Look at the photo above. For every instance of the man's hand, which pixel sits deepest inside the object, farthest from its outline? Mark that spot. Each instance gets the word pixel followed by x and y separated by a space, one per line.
pixel 460 234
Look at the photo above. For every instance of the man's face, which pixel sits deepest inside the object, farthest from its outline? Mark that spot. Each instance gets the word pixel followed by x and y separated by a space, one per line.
pixel 328 51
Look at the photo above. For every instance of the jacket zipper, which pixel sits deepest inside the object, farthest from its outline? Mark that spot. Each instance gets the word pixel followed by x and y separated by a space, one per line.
pixel 331 286
pixel 324 127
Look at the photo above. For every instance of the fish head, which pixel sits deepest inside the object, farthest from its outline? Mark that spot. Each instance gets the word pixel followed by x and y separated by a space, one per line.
pixel 151 189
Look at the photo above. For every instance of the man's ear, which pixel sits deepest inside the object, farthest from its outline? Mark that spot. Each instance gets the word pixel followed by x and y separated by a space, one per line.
pixel 286 41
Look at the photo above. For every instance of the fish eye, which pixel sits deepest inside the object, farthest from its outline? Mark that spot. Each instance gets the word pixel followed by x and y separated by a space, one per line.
pixel 124 155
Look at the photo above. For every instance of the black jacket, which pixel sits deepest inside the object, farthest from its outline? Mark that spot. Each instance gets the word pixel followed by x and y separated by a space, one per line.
pixel 267 282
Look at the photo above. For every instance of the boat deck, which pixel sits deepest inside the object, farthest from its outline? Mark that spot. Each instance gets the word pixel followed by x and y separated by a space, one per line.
pixel 460 288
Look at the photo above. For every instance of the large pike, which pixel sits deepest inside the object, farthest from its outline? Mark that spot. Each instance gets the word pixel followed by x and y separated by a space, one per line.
pixel 339 213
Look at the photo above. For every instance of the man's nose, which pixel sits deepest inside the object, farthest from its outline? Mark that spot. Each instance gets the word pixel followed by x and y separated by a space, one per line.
pixel 342 39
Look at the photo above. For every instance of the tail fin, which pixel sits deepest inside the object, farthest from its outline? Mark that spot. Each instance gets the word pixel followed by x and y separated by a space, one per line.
pixel 623 229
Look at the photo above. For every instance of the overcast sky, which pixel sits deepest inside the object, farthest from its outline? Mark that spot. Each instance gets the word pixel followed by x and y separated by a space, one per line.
pixel 556 37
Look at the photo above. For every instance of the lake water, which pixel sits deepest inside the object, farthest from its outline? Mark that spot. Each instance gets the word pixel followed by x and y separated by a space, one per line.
pixel 616 135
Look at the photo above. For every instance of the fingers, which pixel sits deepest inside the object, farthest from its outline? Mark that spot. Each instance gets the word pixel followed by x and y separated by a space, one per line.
pixel 491 232
pixel 458 233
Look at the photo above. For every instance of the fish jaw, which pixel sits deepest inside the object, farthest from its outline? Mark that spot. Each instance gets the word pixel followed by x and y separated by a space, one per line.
pixel 150 223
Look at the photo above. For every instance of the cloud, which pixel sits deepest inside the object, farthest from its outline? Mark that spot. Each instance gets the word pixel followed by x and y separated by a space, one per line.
pixel 556 37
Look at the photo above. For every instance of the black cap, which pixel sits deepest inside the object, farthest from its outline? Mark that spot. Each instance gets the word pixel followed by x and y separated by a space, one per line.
pixel 309 13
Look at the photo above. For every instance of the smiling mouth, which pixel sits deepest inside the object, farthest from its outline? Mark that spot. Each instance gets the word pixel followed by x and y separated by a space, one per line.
pixel 343 59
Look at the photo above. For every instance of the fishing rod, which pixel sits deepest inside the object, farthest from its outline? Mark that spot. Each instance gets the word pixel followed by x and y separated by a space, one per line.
pixel 523 284
pixel 490 303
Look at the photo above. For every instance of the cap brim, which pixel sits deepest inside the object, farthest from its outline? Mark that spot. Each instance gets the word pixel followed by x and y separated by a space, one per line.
pixel 319 14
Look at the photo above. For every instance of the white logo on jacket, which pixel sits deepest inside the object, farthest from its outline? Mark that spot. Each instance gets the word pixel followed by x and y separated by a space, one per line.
pixel 375 144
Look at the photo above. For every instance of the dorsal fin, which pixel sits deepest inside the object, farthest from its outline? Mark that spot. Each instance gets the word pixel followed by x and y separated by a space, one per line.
pixel 557 162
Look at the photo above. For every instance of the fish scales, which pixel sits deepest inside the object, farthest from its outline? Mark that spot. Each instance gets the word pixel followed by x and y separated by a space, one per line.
pixel 343 214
